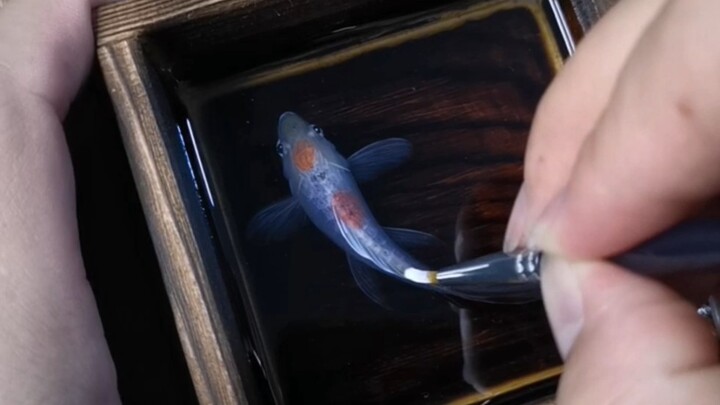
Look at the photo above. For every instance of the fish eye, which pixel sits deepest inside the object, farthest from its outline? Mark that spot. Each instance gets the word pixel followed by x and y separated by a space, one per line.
pixel 317 130
pixel 279 148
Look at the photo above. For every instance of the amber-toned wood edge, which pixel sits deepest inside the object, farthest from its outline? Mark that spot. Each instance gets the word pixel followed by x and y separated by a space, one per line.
pixel 510 386
pixel 207 350
pixel 119 21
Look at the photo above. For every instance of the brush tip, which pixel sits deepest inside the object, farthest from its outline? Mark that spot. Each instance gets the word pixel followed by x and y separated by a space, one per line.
pixel 420 276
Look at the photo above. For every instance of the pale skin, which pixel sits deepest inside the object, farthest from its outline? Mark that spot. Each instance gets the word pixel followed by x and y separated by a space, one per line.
pixel 640 97
pixel 52 348
pixel 625 143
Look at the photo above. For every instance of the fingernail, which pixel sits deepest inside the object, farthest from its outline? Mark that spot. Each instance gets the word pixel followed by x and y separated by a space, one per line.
pixel 563 300
pixel 516 224
pixel 542 233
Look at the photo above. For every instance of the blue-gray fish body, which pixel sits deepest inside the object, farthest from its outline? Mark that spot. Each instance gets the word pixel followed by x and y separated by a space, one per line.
pixel 324 188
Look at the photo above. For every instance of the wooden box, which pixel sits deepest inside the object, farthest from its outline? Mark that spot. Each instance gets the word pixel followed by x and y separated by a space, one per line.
pixel 198 85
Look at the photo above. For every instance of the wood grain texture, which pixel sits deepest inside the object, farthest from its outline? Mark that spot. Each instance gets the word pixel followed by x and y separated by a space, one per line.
pixel 119 21
pixel 196 315
pixel 466 114
pixel 121 27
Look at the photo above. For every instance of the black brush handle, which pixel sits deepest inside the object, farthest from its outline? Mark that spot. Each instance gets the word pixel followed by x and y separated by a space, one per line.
pixel 688 248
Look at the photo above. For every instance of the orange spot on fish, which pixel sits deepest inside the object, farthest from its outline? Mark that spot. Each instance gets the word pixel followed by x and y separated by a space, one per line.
pixel 348 209
pixel 304 156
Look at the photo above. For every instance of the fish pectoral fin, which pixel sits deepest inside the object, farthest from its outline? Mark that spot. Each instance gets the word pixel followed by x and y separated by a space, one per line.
pixel 410 239
pixel 389 292
pixel 379 157
pixel 277 222
pixel 367 279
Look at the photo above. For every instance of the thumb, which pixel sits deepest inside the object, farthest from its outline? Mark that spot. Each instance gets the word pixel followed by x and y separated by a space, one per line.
pixel 627 338
pixel 49 56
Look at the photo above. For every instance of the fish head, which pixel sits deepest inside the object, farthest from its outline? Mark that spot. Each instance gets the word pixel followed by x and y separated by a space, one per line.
pixel 301 145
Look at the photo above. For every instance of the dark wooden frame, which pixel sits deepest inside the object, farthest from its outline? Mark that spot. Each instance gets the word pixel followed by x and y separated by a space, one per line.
pixel 120 30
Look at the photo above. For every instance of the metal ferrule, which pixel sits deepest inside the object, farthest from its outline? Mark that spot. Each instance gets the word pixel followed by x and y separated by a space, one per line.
pixel 497 268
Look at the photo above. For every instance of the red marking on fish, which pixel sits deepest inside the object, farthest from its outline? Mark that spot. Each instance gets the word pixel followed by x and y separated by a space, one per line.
pixel 304 156
pixel 348 209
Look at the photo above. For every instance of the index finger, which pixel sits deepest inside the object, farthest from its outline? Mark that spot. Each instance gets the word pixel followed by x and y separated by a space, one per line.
pixel 654 156
pixel 571 107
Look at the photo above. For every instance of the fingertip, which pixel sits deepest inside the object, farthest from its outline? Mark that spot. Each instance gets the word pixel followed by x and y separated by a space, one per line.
pixel 563 300
pixel 517 224
pixel 612 326
pixel 543 233
pixel 631 318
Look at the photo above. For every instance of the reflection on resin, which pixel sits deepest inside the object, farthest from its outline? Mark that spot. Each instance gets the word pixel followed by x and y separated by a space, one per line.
pixel 477 359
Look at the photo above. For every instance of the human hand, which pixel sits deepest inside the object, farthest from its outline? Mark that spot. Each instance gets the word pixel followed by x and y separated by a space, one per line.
pixel 625 143
pixel 52 348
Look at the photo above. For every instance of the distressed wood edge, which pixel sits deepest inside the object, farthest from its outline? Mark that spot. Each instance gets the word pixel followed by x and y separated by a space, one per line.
pixel 588 12
pixel 206 347
pixel 205 344
pixel 117 22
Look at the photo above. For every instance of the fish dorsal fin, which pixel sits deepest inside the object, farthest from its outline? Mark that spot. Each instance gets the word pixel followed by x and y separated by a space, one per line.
pixel 277 222
pixel 379 157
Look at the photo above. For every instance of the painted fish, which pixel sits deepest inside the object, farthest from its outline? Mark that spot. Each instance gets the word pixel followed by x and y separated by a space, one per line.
pixel 324 187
